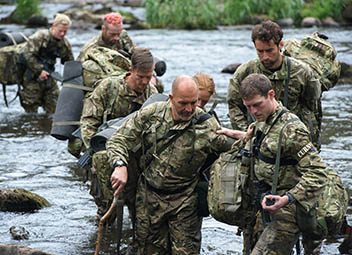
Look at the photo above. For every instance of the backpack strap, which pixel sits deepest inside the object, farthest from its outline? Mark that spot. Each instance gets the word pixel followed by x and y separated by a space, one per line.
pixel 278 158
pixel 172 135
pixel 258 141
pixel 287 80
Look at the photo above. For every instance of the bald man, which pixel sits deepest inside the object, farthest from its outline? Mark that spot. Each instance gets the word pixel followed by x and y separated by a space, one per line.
pixel 176 136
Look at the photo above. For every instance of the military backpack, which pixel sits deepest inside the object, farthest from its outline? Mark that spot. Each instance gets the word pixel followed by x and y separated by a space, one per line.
pixel 326 218
pixel 227 197
pixel 101 62
pixel 319 54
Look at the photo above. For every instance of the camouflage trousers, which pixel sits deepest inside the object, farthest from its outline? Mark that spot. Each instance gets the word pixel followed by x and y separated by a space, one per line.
pixel 39 93
pixel 279 236
pixel 101 188
pixel 167 224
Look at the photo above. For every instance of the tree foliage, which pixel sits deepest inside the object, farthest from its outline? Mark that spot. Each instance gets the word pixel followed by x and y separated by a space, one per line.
pixel 25 9
pixel 207 14
pixel 188 14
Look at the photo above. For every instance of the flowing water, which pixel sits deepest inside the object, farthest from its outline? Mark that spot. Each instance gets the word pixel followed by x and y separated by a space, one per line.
pixel 31 159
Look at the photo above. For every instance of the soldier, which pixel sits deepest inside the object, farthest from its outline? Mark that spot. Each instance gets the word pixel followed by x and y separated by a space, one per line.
pixel 39 55
pixel 112 36
pixel 107 54
pixel 176 137
pixel 206 88
pixel 116 96
pixel 293 81
pixel 301 175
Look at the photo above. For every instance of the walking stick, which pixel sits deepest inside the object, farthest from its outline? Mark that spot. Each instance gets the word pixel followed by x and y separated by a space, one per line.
pixel 119 204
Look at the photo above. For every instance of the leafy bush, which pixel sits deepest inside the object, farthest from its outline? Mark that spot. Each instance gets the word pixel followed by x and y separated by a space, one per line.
pixel 25 9
pixel 188 14
pixel 240 11
pixel 324 8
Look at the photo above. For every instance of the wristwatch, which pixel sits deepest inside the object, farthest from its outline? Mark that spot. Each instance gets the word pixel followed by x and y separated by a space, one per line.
pixel 291 199
pixel 119 163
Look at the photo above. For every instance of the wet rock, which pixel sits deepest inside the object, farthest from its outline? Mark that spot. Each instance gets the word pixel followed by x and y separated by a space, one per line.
pixel 132 3
pixel 20 200
pixel 230 68
pixel 310 22
pixel 347 13
pixel 19 233
pixel 285 22
pixel 330 22
pixel 37 21
pixel 345 75
pixel 19 250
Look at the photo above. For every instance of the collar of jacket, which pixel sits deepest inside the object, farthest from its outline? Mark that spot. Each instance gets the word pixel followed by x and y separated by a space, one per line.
pixel 280 74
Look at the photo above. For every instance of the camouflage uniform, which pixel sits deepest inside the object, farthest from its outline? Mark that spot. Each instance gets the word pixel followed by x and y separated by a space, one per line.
pixel 166 202
pixel 304 180
pixel 304 92
pixel 110 100
pixel 125 43
pixel 40 53
pixel 98 61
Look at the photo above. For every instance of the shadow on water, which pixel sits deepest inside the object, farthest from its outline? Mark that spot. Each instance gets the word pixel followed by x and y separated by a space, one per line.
pixel 31 159
pixel 25 125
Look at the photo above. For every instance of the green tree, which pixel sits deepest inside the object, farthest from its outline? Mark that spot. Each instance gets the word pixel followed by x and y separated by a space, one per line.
pixel 241 11
pixel 25 9
pixel 324 8
pixel 190 14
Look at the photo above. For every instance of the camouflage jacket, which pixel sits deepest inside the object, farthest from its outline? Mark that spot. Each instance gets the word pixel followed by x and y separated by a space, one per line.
pixel 42 49
pixel 176 166
pixel 304 92
pixel 111 99
pixel 307 175
pixel 125 43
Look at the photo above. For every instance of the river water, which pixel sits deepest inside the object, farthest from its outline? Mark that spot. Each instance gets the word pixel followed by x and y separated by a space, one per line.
pixel 31 159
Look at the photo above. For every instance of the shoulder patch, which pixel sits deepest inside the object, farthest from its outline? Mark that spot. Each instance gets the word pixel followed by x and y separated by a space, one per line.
pixel 309 146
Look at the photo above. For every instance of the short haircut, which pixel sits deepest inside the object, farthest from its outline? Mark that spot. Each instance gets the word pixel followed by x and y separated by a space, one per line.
pixel 142 59
pixel 114 18
pixel 255 84
pixel 205 82
pixel 182 79
pixel 266 31
pixel 62 19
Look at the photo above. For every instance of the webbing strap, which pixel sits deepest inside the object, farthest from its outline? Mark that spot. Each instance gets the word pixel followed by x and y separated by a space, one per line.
pixel 287 80
pixel 76 86
pixel 278 158
pixel 66 123
pixel 24 36
pixel 12 38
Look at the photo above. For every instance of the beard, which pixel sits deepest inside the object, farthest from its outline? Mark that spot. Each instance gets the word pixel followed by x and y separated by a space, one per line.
pixel 185 115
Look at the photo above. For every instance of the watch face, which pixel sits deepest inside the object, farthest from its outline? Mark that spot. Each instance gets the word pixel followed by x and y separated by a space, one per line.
pixel 119 163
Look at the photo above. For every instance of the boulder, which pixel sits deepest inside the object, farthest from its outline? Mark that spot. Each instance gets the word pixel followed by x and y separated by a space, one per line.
pixel 347 13
pixel 19 250
pixel 330 22
pixel 346 73
pixel 21 200
pixel 310 22
pixel 288 22
pixel 230 68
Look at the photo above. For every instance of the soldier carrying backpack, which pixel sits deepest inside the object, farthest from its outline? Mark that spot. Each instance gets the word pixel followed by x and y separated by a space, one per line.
pixel 277 186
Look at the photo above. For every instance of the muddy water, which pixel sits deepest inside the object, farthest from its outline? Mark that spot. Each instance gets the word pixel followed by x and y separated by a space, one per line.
pixel 31 159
